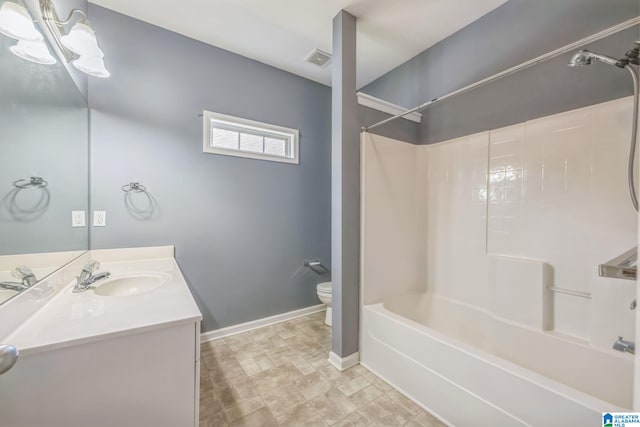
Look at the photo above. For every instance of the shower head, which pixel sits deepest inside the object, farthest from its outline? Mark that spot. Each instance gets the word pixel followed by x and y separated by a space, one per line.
pixel 585 57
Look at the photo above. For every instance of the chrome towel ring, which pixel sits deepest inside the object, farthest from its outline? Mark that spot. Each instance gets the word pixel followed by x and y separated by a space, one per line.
pixel 136 187
pixel 32 182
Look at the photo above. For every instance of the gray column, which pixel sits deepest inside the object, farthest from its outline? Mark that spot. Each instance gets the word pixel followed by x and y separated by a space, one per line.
pixel 345 188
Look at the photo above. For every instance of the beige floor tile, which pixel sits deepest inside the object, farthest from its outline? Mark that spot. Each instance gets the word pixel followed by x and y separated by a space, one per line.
pixel 217 420
pixel 365 396
pixel 384 411
pixel 247 352
pixel 263 362
pixel 210 407
pixel 354 385
pixel 332 406
pixel 318 359
pixel 282 355
pixel 357 370
pixel 425 419
pixel 379 383
pixel 260 418
pixel 236 342
pixel 303 366
pixel 405 402
pixel 276 377
pixel 243 409
pixel 312 385
pixel 277 342
pixel 355 419
pixel 282 400
pixel 262 333
pixel 335 377
pixel 236 391
pixel 223 374
pixel 249 366
pixel 313 422
pixel 299 415
pixel 206 346
pixel 280 373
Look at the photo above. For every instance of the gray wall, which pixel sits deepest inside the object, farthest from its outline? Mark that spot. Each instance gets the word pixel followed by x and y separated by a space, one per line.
pixel 241 227
pixel 513 33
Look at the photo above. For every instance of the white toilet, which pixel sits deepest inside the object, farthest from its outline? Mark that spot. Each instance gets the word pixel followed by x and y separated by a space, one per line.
pixel 324 293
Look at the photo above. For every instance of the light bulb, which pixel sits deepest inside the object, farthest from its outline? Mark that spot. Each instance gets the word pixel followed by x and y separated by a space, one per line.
pixel 91 65
pixel 16 23
pixel 37 52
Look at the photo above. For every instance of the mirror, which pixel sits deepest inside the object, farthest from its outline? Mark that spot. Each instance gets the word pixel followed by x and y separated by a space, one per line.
pixel 43 170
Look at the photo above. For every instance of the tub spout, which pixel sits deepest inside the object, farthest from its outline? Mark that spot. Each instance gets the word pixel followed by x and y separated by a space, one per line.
pixel 624 346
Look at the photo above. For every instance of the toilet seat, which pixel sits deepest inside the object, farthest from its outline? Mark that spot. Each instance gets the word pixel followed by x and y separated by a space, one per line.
pixel 324 288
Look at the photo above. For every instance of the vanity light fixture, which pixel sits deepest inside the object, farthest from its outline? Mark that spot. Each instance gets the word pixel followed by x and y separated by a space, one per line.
pixel 16 22
pixel 37 52
pixel 79 46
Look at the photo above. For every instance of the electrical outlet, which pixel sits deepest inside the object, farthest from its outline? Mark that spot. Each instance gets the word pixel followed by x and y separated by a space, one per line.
pixel 99 218
pixel 78 219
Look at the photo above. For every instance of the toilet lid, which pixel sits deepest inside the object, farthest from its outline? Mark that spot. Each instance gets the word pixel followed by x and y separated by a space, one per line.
pixel 324 287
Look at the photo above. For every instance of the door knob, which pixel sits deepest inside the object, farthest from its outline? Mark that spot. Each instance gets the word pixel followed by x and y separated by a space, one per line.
pixel 8 357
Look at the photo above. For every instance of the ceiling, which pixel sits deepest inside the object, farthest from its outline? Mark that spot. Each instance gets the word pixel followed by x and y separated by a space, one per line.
pixel 282 33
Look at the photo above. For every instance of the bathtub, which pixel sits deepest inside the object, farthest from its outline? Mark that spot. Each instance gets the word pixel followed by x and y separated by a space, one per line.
pixel 470 368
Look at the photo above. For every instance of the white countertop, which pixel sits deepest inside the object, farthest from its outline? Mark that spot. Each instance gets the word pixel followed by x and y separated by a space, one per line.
pixel 73 318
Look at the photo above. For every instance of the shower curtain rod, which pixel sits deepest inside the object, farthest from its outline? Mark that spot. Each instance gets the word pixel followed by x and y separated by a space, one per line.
pixel 565 49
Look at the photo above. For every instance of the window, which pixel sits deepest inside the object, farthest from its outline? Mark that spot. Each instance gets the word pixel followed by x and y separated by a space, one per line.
pixel 233 136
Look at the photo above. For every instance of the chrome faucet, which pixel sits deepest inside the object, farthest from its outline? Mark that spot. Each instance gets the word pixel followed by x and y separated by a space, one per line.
pixel 87 278
pixel 26 277
pixel 624 346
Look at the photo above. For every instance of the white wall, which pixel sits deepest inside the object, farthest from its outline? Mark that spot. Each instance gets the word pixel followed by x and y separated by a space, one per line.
pixel 533 206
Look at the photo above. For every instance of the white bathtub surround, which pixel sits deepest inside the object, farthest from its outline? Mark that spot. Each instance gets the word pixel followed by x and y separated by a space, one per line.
pixel 344 363
pixel 116 349
pixel 468 379
pixel 260 323
pixel 522 291
pixel 494 240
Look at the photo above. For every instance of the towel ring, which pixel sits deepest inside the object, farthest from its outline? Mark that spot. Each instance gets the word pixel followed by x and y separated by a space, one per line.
pixel 32 182
pixel 136 187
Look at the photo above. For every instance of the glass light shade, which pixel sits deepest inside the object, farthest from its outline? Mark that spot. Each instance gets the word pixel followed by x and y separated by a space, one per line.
pixel 81 40
pixel 91 65
pixel 16 23
pixel 37 52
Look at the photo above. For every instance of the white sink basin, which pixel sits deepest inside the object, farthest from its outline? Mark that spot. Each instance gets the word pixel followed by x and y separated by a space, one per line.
pixel 131 284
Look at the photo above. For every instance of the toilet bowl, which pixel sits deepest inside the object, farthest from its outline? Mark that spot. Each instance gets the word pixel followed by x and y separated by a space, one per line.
pixel 324 293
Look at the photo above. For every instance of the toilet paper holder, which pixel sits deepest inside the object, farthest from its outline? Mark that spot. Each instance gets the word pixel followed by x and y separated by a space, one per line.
pixel 315 266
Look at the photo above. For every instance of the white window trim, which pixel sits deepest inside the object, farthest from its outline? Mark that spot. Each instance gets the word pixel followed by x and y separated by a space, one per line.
pixel 259 126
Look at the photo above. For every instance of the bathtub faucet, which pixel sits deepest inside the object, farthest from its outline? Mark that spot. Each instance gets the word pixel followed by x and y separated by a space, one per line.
pixel 624 346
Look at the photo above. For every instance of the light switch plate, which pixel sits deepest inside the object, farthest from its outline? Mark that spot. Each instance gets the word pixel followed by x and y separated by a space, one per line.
pixel 78 219
pixel 99 218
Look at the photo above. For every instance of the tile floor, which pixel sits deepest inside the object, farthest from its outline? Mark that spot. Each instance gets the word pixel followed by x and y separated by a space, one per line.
pixel 279 376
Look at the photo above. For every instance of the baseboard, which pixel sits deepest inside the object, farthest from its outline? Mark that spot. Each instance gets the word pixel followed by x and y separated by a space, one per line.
pixel 344 363
pixel 259 323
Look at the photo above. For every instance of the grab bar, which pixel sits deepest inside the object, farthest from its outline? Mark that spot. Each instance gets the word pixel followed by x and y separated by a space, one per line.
pixel 316 267
pixel 622 266
pixel 569 292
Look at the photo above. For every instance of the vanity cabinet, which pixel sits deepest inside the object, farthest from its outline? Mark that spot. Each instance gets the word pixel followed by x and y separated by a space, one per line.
pixel 124 352
pixel 147 378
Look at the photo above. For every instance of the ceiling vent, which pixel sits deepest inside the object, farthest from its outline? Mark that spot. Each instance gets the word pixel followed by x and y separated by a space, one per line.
pixel 318 58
